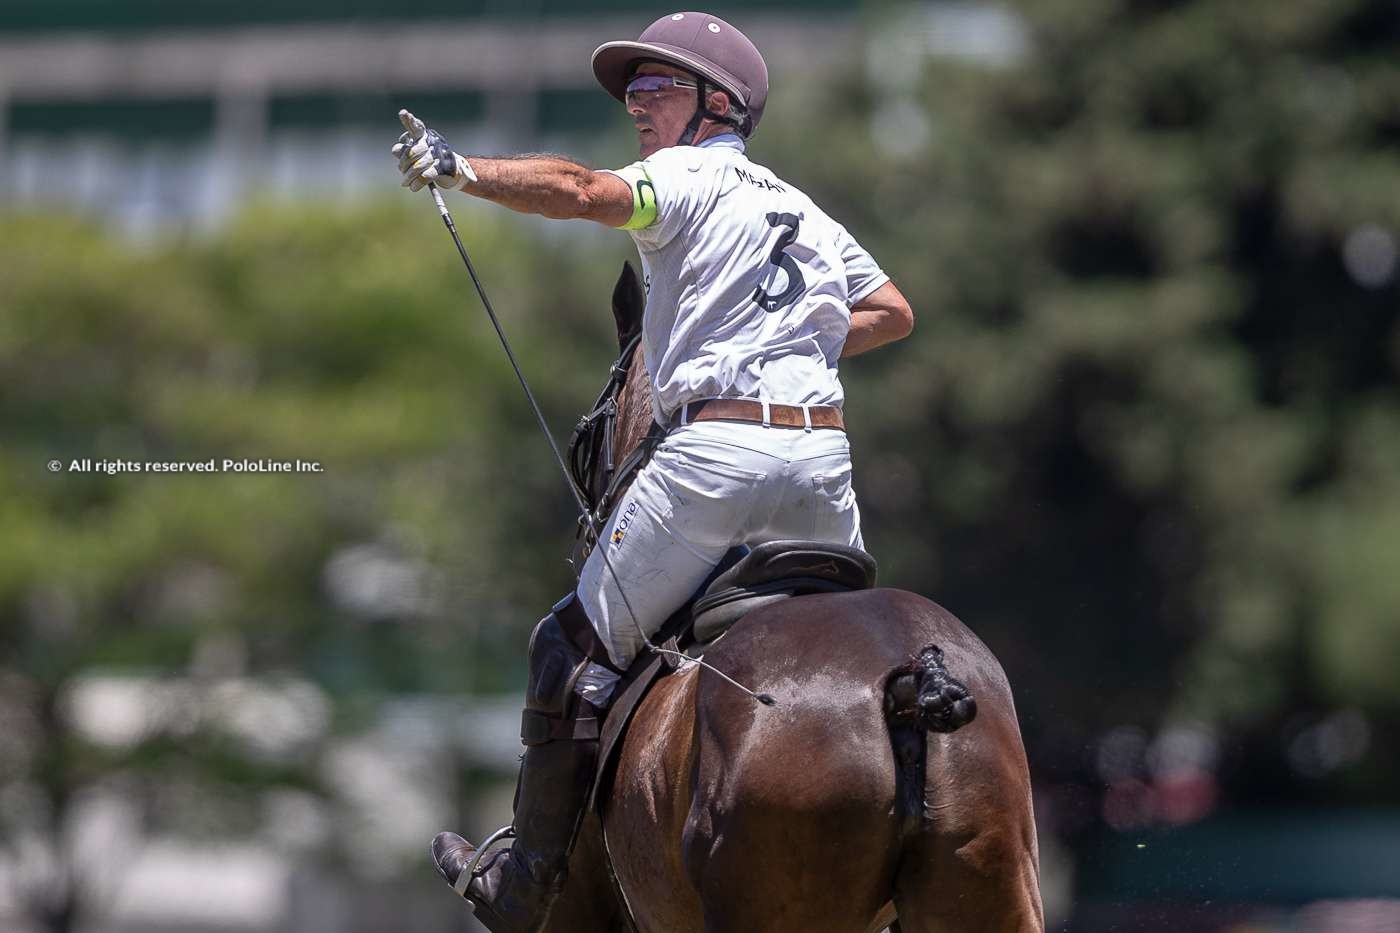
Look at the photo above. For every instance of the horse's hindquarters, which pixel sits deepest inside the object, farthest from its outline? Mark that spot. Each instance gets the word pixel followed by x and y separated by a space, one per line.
pixel 730 816
pixel 978 838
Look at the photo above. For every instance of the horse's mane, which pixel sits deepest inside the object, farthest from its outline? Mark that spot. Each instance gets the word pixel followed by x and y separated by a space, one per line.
pixel 634 414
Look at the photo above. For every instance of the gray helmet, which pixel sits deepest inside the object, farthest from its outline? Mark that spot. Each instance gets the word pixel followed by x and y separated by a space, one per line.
pixel 702 44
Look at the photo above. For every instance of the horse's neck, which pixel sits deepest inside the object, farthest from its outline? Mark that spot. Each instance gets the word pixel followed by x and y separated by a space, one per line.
pixel 589 902
pixel 634 414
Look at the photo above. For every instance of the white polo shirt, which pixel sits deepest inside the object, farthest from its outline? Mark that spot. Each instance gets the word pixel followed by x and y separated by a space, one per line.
pixel 749 284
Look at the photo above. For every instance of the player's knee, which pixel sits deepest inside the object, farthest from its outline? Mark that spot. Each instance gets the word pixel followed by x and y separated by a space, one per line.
pixel 561 647
pixel 555 663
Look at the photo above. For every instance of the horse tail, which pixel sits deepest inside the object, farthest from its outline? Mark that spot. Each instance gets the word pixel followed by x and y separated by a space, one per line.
pixel 922 692
pixel 921 697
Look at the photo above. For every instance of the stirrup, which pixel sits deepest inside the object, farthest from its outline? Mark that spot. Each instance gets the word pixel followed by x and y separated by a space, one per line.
pixel 468 873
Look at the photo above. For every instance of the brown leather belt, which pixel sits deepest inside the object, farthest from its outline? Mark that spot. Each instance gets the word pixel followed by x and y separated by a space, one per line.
pixel 747 410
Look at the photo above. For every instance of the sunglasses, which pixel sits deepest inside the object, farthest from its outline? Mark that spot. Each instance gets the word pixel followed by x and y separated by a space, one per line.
pixel 650 84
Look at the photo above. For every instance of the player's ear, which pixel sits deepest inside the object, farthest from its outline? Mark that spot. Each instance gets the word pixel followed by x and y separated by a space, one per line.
pixel 718 102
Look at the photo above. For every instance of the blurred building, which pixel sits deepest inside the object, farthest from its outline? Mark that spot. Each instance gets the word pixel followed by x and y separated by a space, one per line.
pixel 167 111
pixel 172 110
pixel 387 790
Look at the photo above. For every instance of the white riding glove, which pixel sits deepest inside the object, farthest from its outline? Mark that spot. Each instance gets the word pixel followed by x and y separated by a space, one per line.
pixel 424 156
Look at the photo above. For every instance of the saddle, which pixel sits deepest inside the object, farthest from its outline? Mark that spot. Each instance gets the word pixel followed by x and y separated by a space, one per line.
pixel 745 580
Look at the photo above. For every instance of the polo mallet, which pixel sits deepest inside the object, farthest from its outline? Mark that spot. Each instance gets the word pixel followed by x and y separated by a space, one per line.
pixel 764 698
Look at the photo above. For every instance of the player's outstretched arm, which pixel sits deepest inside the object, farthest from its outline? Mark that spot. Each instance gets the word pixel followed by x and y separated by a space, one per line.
pixel 554 187
pixel 550 185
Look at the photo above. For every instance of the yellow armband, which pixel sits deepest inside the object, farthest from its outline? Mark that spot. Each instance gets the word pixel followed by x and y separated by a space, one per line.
pixel 643 196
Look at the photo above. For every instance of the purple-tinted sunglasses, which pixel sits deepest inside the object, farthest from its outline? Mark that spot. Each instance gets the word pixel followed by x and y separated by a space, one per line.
pixel 650 84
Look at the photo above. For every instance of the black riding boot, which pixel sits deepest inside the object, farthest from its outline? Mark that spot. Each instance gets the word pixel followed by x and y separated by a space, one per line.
pixel 513 889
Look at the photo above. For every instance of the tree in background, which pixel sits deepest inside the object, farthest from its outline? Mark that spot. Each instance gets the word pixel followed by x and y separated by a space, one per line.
pixel 1145 439
pixel 184 650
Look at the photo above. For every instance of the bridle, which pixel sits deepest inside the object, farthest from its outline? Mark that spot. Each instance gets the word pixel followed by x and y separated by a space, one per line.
pixel 594 472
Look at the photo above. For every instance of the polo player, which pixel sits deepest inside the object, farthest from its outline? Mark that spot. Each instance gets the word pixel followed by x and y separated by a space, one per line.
pixel 753 295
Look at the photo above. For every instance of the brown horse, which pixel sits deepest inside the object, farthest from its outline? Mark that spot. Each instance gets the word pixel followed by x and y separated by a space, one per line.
pixel 838 810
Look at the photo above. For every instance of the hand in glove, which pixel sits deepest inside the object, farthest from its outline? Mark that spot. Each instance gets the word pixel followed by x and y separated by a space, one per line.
pixel 424 156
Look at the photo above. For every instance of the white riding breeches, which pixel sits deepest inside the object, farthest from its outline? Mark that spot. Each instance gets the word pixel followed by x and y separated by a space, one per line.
pixel 708 487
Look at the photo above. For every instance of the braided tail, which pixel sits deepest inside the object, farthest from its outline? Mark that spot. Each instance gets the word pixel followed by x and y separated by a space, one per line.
pixel 921 697
pixel 923 691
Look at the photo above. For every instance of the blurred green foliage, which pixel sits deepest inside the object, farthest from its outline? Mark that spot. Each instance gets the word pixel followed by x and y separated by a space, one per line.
pixel 1145 432
pixel 345 338
pixel 415 561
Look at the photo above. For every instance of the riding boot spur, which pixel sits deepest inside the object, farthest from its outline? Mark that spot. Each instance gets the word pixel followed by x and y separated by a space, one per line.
pixel 512 890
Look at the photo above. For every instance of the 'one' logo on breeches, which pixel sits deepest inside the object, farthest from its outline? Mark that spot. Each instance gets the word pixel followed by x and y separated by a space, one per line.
pixel 623 523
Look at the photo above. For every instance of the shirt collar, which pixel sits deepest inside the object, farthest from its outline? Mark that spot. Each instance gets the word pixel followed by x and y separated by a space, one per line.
pixel 726 140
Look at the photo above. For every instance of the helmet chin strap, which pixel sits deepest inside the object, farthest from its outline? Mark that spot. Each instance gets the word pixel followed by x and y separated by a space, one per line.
pixel 701 112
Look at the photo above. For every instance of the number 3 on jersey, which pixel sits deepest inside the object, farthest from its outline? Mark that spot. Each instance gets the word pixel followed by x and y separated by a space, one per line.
pixel 779 257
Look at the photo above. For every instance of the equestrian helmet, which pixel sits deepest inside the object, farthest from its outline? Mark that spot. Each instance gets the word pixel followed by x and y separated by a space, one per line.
pixel 702 44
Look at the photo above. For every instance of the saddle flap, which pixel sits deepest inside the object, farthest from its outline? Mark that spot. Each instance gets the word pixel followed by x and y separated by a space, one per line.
pixel 848 567
pixel 645 671
pixel 774 571
pixel 714 620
